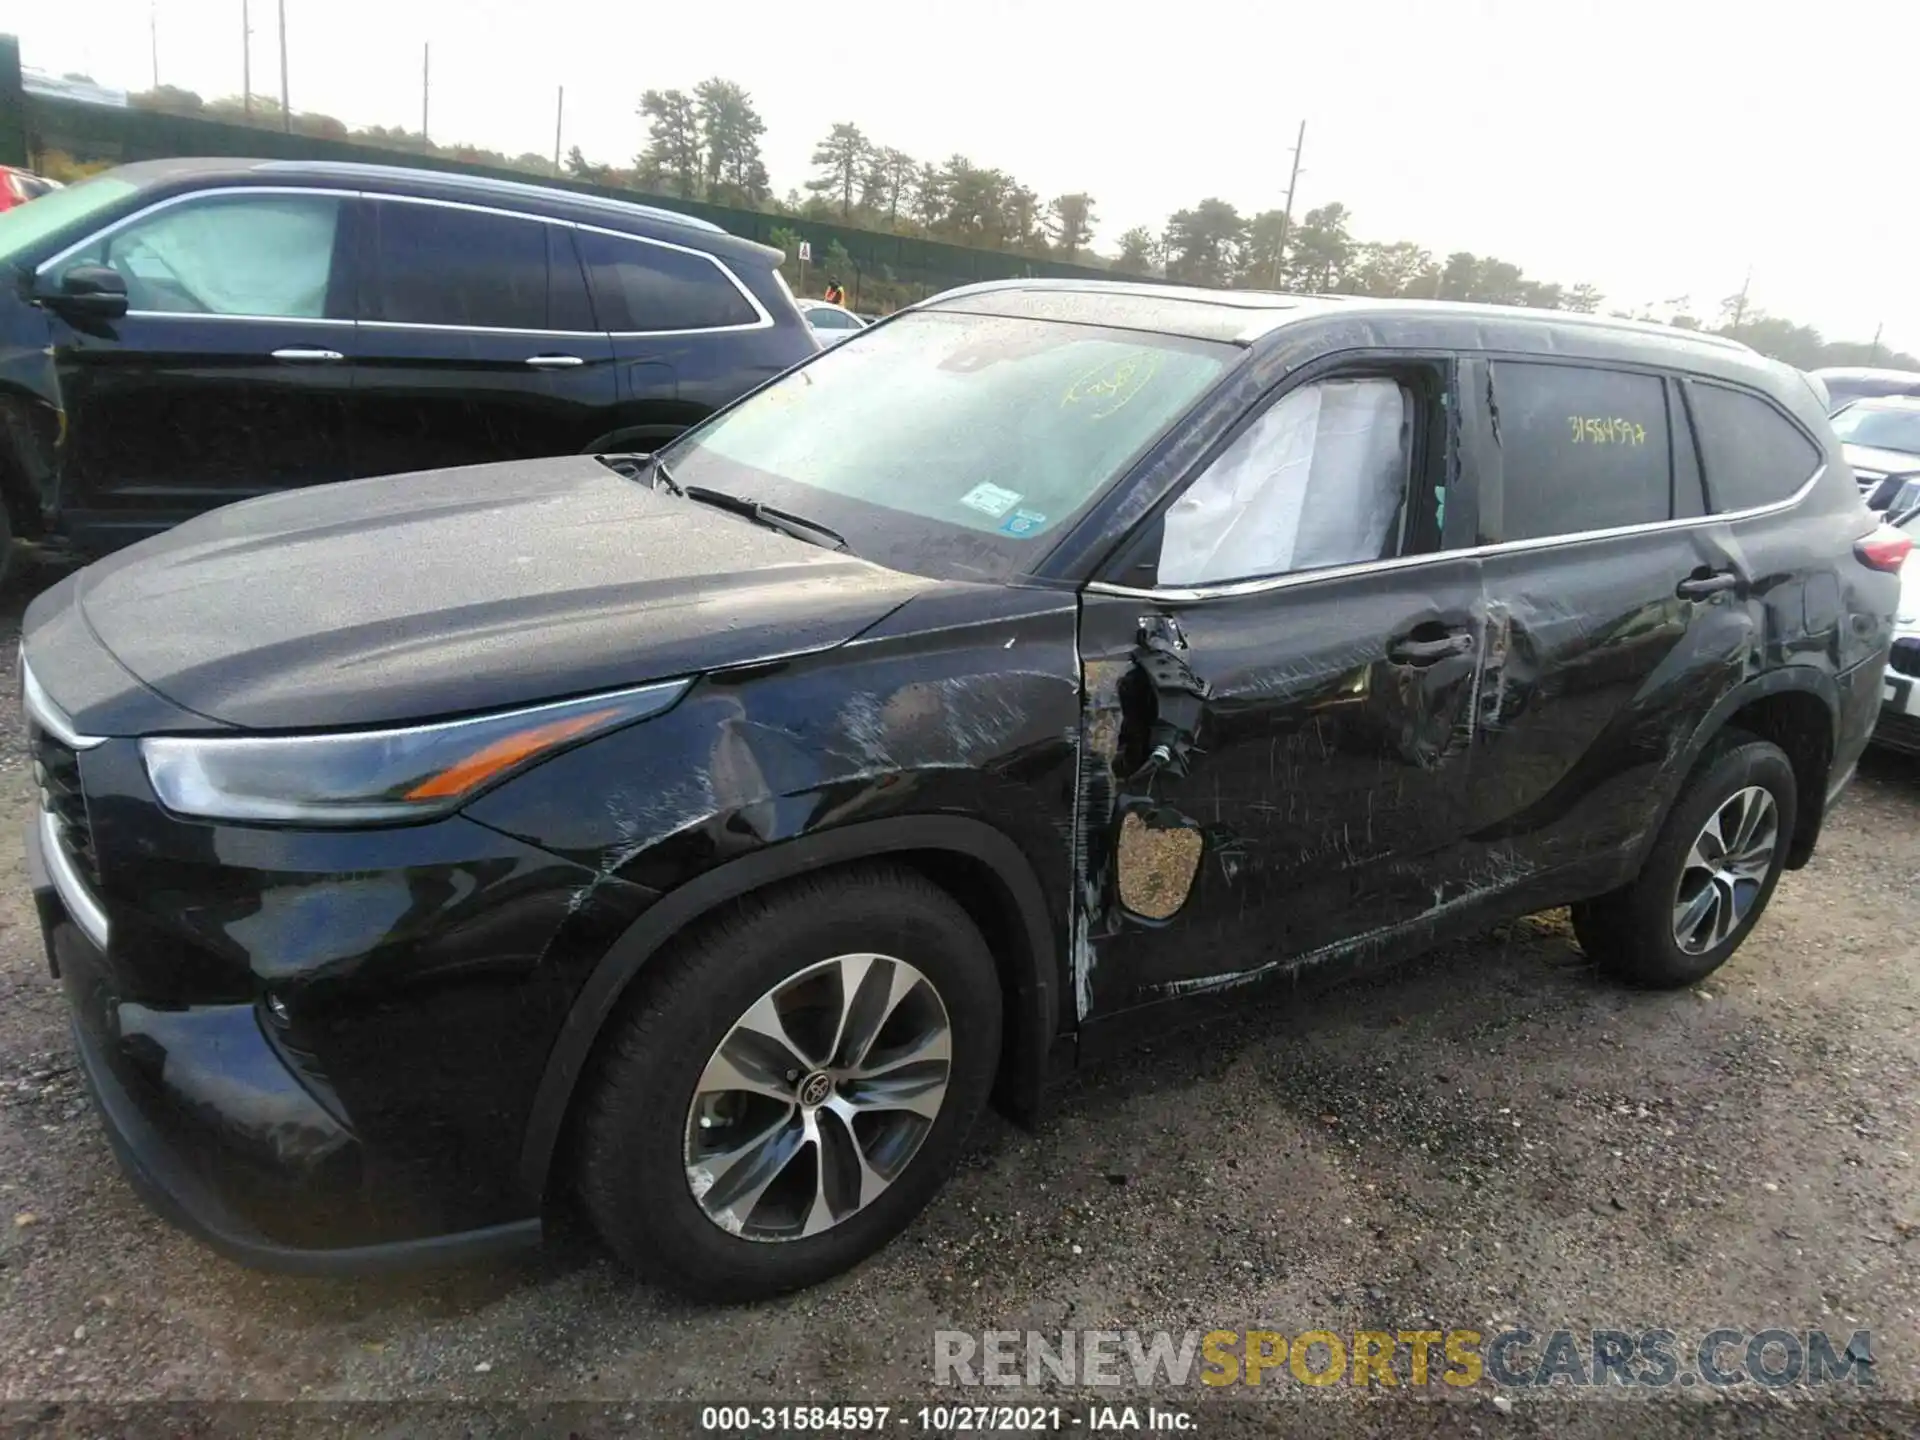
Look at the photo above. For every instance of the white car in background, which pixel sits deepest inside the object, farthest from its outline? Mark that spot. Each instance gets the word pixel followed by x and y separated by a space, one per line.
pixel 1899 725
pixel 1881 438
pixel 831 323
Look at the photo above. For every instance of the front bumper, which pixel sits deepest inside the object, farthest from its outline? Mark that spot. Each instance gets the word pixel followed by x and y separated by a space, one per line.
pixel 225 1132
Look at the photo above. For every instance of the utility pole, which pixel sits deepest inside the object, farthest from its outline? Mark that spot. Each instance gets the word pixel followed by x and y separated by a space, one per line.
pixel 559 111
pixel 426 60
pixel 1740 300
pixel 153 37
pixel 1876 341
pixel 1286 216
pixel 286 109
pixel 246 62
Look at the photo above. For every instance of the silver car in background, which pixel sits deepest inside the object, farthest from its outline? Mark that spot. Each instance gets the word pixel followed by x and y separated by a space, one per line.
pixel 831 323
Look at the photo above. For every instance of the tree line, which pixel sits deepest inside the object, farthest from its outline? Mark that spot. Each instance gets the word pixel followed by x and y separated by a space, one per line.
pixel 704 144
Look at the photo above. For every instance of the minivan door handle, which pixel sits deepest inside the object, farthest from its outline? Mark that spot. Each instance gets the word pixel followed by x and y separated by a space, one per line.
pixel 554 362
pixel 298 356
pixel 1429 652
pixel 1700 587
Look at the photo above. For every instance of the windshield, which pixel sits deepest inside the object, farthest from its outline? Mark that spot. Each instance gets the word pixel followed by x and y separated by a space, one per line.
pixel 956 445
pixel 25 226
pixel 1884 428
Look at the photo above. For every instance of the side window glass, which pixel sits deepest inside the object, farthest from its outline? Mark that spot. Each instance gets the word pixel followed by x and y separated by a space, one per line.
pixel 1752 454
pixel 261 255
pixel 1580 450
pixel 637 286
pixel 1319 479
pixel 435 265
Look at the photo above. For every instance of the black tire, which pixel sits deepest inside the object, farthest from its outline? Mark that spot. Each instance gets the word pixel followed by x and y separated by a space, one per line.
pixel 1631 932
pixel 633 1161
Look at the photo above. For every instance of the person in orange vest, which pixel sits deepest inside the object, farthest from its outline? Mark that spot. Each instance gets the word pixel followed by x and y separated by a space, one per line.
pixel 835 295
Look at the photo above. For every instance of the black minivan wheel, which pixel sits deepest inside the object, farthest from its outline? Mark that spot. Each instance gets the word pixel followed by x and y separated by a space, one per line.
pixel 791 1085
pixel 1708 876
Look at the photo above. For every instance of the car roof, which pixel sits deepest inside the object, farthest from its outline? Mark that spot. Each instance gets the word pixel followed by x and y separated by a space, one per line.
pixel 557 199
pixel 1868 372
pixel 1246 315
pixel 1885 402
pixel 1311 324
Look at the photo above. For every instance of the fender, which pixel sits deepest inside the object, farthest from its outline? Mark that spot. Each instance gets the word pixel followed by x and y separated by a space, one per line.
pixel 1804 679
pixel 1035 998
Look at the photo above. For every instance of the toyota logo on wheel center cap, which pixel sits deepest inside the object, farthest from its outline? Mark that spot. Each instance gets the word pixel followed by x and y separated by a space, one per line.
pixel 815 1088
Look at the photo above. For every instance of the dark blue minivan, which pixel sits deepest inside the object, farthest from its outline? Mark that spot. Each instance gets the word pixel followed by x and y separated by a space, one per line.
pixel 184 333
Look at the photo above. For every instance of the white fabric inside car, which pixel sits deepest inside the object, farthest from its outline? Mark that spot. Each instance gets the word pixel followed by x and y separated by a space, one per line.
pixel 264 255
pixel 1317 480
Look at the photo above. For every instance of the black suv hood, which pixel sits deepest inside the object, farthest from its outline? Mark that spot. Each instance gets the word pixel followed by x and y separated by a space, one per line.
pixel 454 591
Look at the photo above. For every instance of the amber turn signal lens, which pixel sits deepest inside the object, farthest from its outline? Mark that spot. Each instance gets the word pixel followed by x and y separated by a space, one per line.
pixel 502 754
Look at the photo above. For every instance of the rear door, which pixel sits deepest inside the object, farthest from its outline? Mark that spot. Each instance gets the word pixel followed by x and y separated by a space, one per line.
pixel 1616 610
pixel 477 340
pixel 229 374
pixel 1319 790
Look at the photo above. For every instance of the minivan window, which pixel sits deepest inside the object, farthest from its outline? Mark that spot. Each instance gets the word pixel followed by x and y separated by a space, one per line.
pixel 442 265
pixel 1580 450
pixel 232 254
pixel 1317 480
pixel 1752 454
pixel 638 286
pixel 953 444
pixel 24 226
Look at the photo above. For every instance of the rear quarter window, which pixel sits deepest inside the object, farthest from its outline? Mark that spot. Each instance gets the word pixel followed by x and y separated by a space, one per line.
pixel 1580 450
pixel 1752 454
pixel 639 286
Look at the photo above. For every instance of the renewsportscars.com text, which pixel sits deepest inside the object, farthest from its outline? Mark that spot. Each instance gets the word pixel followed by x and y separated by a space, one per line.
pixel 1516 1357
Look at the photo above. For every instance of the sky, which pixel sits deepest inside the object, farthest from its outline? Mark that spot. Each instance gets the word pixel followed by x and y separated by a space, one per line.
pixel 1657 151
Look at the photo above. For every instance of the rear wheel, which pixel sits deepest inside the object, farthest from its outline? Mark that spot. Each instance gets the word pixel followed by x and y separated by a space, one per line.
pixel 792 1085
pixel 1708 876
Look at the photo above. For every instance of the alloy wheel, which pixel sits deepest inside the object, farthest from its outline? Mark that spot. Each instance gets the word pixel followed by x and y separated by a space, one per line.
pixel 1725 870
pixel 818 1097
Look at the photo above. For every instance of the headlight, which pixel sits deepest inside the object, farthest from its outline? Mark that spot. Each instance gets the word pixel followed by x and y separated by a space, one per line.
pixel 370 776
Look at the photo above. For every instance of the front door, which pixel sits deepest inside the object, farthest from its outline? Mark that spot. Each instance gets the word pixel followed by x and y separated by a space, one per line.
pixel 1316 792
pixel 477 341
pixel 229 374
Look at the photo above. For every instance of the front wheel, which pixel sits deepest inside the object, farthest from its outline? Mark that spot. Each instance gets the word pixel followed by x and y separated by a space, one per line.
pixel 1708 876
pixel 792 1084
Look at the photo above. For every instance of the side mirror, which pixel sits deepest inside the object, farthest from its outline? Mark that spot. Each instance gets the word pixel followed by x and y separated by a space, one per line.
pixel 90 292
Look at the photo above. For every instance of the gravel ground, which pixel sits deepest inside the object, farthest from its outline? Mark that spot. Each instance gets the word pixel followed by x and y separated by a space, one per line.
pixel 1489 1136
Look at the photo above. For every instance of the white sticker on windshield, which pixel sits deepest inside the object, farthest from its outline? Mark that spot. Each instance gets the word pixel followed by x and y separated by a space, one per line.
pixel 990 499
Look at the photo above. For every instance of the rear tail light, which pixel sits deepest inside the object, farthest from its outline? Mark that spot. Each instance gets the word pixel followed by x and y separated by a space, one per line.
pixel 1885 549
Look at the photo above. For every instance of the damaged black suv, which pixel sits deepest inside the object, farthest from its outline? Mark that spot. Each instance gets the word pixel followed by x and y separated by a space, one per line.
pixel 708 834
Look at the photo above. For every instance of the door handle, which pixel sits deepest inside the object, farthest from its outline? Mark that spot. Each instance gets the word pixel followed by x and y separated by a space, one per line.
pixel 554 362
pixel 308 357
pixel 1700 587
pixel 1427 652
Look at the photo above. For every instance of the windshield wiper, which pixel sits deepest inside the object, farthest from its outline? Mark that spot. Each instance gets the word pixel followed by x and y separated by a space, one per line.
pixel 635 467
pixel 797 526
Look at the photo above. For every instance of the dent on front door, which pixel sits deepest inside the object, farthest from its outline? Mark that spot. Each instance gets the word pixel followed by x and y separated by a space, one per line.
pixel 1270 780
